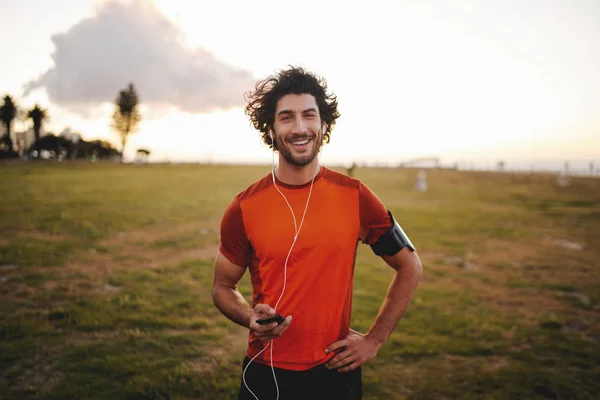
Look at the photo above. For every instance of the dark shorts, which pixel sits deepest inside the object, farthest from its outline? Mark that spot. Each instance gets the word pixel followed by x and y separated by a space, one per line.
pixel 317 383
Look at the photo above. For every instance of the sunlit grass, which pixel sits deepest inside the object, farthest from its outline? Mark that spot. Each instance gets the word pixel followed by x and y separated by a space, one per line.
pixel 106 272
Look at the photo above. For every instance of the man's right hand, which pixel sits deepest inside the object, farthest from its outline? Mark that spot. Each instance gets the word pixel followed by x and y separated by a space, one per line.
pixel 267 332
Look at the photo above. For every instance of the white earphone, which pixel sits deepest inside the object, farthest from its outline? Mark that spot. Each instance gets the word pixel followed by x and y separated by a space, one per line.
pixel 297 228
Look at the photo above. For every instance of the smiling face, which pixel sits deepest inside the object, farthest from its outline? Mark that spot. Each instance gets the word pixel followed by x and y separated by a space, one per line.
pixel 298 129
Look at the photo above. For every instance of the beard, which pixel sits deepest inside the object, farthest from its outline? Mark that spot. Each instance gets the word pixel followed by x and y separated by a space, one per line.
pixel 299 160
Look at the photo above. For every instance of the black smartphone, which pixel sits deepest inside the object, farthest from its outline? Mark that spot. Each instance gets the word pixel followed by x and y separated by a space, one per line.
pixel 275 318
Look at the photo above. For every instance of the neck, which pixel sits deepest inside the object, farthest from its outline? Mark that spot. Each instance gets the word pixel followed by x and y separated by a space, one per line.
pixel 295 175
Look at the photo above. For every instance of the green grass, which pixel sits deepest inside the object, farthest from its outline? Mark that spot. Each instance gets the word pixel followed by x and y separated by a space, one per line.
pixel 106 273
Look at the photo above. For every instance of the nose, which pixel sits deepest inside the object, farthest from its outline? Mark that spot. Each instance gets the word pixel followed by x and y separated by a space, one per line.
pixel 299 125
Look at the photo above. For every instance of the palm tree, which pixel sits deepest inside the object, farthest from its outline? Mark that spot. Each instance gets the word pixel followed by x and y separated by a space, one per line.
pixel 8 112
pixel 126 116
pixel 38 116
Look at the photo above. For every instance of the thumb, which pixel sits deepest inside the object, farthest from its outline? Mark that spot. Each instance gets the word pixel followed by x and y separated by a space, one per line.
pixel 335 345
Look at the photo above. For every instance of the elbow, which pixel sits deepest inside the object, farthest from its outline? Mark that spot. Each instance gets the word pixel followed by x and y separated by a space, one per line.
pixel 220 292
pixel 215 294
pixel 415 266
pixel 406 263
pixel 410 268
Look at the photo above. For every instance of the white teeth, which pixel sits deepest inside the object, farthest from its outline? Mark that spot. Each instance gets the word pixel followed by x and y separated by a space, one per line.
pixel 300 142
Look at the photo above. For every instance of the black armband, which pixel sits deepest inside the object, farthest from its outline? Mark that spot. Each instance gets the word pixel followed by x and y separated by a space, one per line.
pixel 392 241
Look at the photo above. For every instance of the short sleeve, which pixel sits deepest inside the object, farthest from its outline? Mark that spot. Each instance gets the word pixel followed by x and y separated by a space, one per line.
pixel 374 218
pixel 235 245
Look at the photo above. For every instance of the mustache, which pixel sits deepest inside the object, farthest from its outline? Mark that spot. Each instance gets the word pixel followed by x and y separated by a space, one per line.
pixel 299 137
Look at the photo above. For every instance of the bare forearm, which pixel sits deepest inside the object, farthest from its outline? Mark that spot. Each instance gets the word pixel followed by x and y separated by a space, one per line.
pixel 232 304
pixel 398 297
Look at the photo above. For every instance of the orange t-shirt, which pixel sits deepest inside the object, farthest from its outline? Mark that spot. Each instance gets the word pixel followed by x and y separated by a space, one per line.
pixel 257 231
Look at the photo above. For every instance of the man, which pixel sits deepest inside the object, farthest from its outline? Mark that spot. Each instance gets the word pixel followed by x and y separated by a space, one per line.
pixel 296 230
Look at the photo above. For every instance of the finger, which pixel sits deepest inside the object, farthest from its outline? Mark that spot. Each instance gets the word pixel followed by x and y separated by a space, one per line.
pixel 267 338
pixel 273 330
pixel 264 335
pixel 261 311
pixel 342 359
pixel 264 309
pixel 336 345
pixel 339 357
pixel 279 329
pixel 349 367
pixel 263 328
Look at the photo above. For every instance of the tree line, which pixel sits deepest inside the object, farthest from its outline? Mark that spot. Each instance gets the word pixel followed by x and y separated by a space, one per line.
pixel 125 120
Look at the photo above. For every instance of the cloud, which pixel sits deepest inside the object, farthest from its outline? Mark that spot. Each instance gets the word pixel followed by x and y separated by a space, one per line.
pixel 134 42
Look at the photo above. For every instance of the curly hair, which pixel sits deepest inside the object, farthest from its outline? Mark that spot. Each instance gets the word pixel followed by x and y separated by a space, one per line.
pixel 262 101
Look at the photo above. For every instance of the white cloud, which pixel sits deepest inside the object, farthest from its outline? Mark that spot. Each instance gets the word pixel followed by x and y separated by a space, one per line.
pixel 134 42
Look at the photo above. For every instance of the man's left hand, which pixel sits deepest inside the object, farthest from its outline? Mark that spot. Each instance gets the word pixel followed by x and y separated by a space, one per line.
pixel 355 350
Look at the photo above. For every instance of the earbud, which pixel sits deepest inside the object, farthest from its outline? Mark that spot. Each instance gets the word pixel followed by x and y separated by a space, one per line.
pixel 273 143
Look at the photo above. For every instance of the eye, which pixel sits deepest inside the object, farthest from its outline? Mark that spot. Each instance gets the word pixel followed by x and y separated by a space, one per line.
pixel 285 118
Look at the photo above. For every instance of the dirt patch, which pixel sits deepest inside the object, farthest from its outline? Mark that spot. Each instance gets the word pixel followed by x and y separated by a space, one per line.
pixel 149 235
pixel 44 236
pixel 234 345
pixel 124 251
pixel 565 244
pixel 42 377
pixel 519 278
pixel 87 337
pixel 87 272
pixel 111 289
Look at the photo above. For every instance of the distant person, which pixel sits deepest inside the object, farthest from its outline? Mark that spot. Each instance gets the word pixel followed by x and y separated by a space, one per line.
pixel 296 231
pixel 350 170
pixel 421 184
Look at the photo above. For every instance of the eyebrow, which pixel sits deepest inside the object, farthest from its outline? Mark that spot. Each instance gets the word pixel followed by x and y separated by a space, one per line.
pixel 289 112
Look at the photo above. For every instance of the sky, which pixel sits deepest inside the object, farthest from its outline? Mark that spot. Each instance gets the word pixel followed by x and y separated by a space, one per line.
pixel 469 81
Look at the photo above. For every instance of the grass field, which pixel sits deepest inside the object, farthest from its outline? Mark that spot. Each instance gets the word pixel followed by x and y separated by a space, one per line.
pixel 106 272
